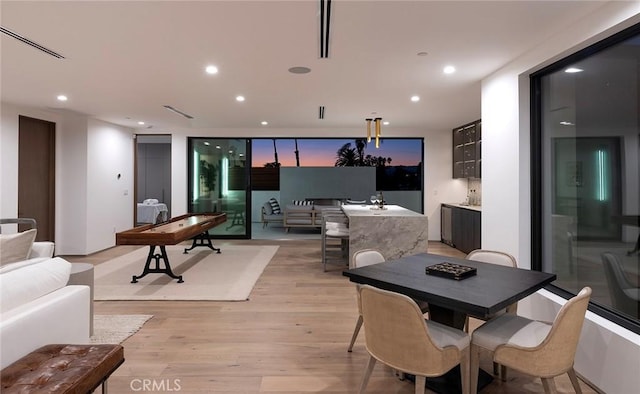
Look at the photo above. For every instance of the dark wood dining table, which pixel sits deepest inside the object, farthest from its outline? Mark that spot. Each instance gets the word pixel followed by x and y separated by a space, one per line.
pixel 491 289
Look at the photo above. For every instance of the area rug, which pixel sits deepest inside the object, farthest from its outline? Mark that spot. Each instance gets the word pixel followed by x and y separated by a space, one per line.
pixel 228 276
pixel 114 329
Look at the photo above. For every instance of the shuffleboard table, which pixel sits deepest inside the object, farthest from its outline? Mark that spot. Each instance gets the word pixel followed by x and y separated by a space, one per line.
pixel 172 232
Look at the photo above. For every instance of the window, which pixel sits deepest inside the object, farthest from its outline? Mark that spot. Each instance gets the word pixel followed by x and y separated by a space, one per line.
pixel 398 161
pixel 586 174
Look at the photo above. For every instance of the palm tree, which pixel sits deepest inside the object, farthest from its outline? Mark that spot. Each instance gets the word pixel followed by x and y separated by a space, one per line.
pixel 355 157
pixel 275 153
pixel 346 156
pixel 360 146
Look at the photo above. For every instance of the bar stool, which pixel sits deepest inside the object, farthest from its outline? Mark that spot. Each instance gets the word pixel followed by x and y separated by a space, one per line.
pixel 335 235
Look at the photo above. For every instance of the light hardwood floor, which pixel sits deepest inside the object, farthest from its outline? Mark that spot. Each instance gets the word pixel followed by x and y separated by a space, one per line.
pixel 290 337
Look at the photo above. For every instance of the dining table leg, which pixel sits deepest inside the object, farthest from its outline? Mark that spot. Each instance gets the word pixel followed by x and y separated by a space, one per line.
pixel 447 316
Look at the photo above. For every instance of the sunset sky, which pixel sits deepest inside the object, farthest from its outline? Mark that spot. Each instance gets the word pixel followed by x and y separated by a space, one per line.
pixel 322 152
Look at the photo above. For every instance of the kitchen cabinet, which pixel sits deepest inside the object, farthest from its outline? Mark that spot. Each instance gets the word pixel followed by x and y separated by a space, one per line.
pixel 461 227
pixel 467 150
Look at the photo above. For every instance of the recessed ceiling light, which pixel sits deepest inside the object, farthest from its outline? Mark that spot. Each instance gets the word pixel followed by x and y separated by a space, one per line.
pixel 240 98
pixel 415 99
pixel 241 154
pixel 140 123
pixel 264 123
pixel 299 70
pixel 572 70
pixel 422 53
pixel 217 146
pixel 449 70
pixel 62 97
pixel 211 70
pixel 207 143
pixel 385 123
pixel 566 123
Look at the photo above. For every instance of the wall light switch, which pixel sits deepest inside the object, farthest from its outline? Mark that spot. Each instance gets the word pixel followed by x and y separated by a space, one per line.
pixel 126 192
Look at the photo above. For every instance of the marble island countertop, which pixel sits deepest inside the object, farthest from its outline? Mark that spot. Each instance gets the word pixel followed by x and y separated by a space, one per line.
pixel 465 206
pixel 395 231
pixel 370 210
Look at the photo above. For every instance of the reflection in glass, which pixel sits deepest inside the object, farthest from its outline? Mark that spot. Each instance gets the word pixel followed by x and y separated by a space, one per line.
pixel 218 182
pixel 590 176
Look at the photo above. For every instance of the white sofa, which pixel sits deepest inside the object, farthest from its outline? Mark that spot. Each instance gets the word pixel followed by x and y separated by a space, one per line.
pixel 36 305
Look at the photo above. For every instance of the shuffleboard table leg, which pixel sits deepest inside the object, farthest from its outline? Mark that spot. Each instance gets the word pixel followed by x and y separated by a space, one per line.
pixel 157 270
pixel 202 239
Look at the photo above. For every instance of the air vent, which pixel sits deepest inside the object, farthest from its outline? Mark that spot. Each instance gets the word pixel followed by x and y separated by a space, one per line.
pixel 30 43
pixel 321 112
pixel 325 27
pixel 170 108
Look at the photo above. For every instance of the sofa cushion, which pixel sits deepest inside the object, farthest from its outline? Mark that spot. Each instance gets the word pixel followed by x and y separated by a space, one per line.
pixel 19 264
pixel 16 247
pixel 32 281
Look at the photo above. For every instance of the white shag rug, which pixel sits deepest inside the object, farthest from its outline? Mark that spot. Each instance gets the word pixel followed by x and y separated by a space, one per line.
pixel 207 275
pixel 114 329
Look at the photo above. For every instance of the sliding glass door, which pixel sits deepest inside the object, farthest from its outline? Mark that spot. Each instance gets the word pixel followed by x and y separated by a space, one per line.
pixel 218 182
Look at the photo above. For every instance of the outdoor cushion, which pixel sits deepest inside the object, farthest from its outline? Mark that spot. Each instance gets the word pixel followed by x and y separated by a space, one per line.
pixel 275 206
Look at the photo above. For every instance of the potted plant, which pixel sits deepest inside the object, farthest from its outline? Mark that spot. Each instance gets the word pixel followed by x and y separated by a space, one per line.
pixel 209 174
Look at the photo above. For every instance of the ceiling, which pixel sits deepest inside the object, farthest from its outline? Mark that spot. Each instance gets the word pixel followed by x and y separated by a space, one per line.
pixel 124 61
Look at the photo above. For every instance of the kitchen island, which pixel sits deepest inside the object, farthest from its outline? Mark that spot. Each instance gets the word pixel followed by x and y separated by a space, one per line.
pixel 395 231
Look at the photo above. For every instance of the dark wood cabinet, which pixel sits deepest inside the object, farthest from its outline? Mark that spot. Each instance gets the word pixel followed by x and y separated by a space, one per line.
pixel 467 154
pixel 465 228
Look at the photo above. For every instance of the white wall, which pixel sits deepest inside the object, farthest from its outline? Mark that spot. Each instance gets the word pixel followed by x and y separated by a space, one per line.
pixel 71 189
pixel 608 355
pixel 89 201
pixel 109 197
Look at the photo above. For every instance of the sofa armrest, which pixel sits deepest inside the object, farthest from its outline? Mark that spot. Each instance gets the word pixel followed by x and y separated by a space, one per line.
pixel 62 316
pixel 42 249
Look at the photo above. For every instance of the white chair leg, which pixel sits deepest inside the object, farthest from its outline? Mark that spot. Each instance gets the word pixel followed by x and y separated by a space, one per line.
pixel 421 381
pixel 549 386
pixel 574 381
pixel 367 374
pixel 355 333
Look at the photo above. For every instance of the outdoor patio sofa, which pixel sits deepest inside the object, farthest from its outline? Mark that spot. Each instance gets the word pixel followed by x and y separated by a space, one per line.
pixel 307 213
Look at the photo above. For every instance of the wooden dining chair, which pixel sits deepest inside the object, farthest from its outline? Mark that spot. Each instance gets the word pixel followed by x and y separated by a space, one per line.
pixel 493 257
pixel 498 258
pixel 536 348
pixel 363 258
pixel 398 335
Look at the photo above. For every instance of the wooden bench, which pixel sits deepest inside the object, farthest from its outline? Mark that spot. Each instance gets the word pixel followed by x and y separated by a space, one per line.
pixel 62 369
